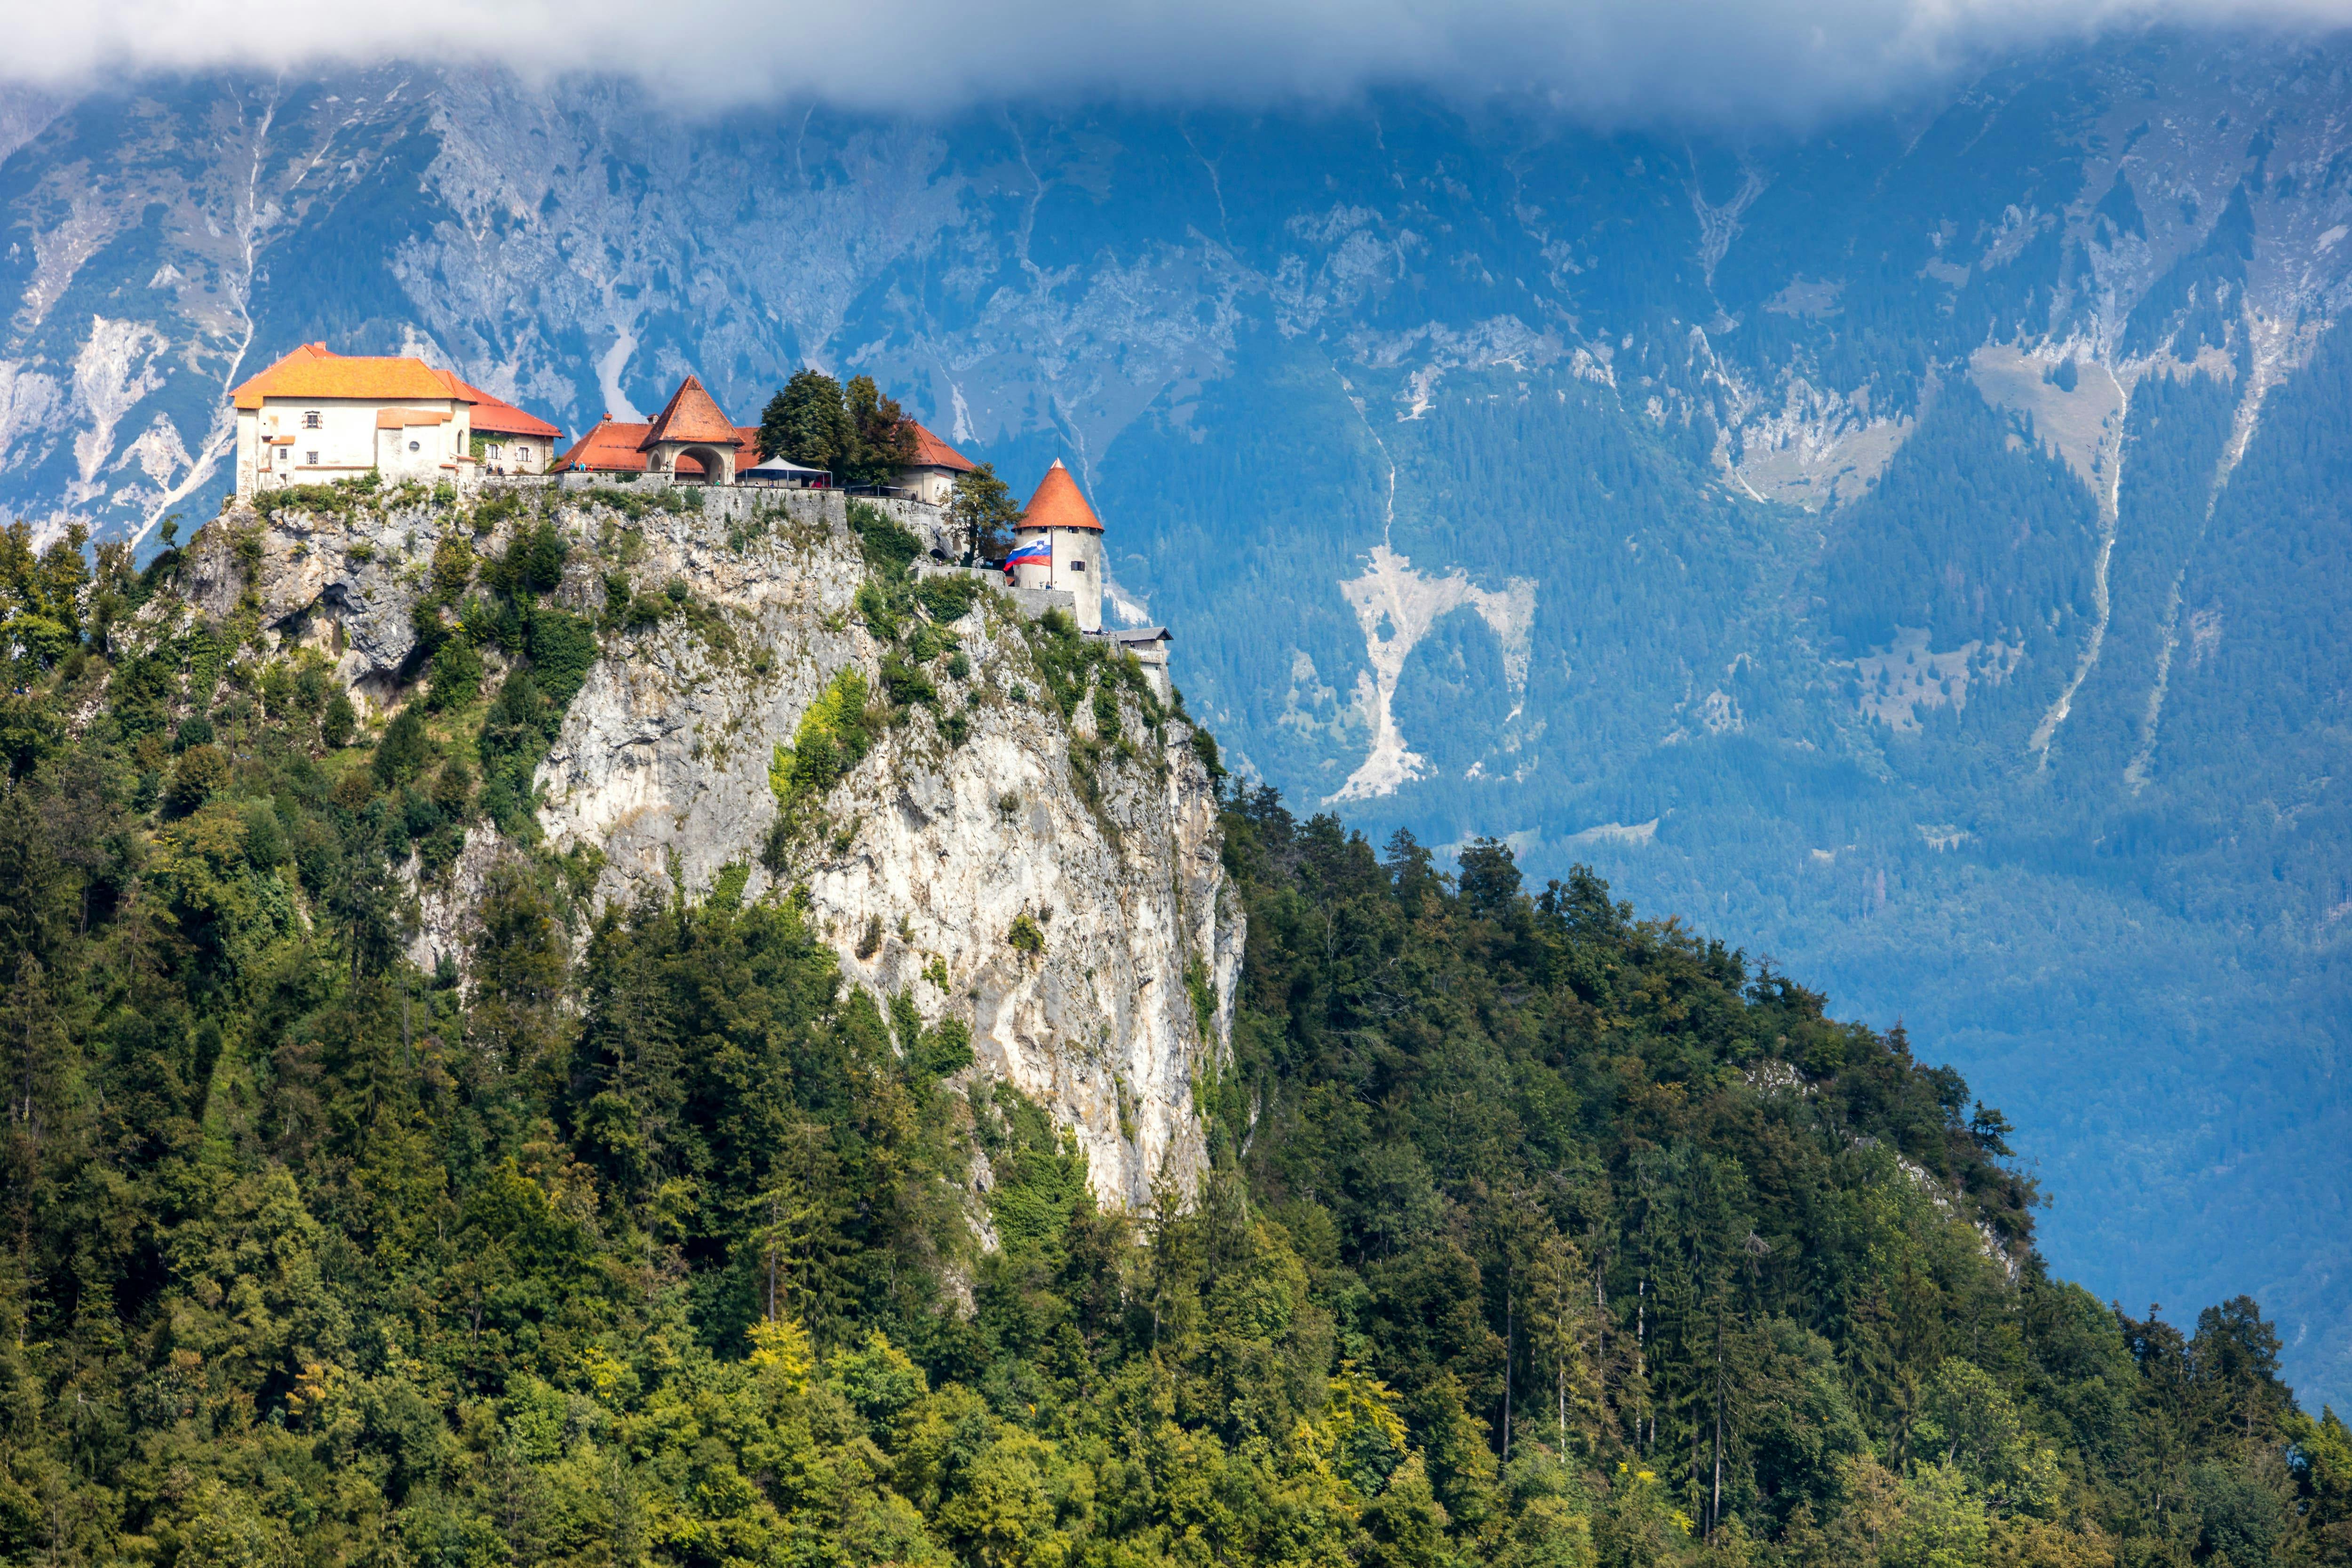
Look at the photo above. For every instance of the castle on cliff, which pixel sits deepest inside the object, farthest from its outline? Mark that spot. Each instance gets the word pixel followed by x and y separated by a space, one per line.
pixel 317 416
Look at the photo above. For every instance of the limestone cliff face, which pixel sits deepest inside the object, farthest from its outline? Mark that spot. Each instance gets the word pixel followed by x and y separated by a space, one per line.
pixel 928 851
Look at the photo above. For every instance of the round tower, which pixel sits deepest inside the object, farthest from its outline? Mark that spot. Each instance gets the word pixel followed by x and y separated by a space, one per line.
pixel 1059 545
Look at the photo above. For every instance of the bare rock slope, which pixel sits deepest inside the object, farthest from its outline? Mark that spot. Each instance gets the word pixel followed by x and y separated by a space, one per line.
pixel 1089 824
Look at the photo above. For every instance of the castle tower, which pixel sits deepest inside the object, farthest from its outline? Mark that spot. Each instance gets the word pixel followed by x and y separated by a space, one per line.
pixel 691 424
pixel 1059 545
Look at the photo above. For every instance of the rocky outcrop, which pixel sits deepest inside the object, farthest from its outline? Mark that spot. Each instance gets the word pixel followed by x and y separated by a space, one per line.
pixel 928 852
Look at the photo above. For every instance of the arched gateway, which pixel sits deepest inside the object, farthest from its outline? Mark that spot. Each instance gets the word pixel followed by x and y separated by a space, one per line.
pixel 691 424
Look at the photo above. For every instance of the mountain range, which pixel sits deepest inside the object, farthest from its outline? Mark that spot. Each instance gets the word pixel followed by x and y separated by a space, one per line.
pixel 1914 547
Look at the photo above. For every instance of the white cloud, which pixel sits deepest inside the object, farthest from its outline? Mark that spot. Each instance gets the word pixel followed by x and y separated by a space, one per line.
pixel 1638 59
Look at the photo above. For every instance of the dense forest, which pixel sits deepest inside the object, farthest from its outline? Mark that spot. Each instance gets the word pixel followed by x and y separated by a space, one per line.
pixel 1534 1233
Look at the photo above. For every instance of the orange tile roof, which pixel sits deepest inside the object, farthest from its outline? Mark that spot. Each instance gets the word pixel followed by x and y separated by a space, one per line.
pixel 930 452
pixel 314 371
pixel 1058 503
pixel 611 446
pixel 691 414
pixel 495 416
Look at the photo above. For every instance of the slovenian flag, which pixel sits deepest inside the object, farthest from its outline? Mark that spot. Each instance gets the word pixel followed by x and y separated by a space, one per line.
pixel 1036 553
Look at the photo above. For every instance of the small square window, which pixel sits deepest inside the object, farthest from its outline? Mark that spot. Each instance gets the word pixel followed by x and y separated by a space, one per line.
pixel 1077 565
pixel 313 459
pixel 310 419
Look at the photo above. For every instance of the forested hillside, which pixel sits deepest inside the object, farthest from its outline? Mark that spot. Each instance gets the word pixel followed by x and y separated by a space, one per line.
pixel 1535 1233
pixel 1903 546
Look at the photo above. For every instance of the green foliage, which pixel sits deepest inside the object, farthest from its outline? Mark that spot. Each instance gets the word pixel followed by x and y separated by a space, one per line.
pixel 636 505
pixel 1041 1172
pixel 1066 662
pixel 562 649
pixel 521 725
pixel 201 771
pixel 453 569
pixel 498 506
pixel 906 616
pixel 533 562
pixel 858 435
pixel 555 650
pixel 832 738
pixel 949 598
pixel 888 547
pixel 403 752
pixel 1205 746
pixel 945 1048
pixel 1201 994
pixel 338 721
pixel 807 423
pixel 457 674
pixel 1025 936
pixel 882 442
pixel 40 599
pixel 983 513
pixel 905 683
pixel 341 498
pixel 1528 1230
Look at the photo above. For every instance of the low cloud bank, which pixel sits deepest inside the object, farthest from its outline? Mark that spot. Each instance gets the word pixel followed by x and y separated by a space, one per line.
pixel 1695 61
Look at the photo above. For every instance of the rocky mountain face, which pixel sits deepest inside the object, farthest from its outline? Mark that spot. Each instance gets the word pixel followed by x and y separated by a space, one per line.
pixel 1909 549
pixel 962 822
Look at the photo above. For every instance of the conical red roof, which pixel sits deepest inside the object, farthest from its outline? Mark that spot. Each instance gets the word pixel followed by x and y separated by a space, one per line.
pixel 691 414
pixel 1058 503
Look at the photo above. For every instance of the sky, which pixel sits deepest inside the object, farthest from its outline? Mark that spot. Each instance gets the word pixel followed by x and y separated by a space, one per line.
pixel 1707 61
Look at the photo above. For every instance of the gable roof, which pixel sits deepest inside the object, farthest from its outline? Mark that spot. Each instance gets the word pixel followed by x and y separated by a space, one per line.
pixel 315 370
pixel 607 446
pixel 495 416
pixel 612 447
pixel 930 452
pixel 691 414
pixel 1058 503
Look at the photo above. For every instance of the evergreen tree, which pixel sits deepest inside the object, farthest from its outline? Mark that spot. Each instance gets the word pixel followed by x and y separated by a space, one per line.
pixel 983 513
pixel 882 442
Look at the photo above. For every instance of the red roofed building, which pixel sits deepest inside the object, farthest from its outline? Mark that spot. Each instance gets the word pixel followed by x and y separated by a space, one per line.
pixel 692 426
pixel 317 415
pixel 614 447
pixel 931 476
pixel 507 439
pixel 1059 545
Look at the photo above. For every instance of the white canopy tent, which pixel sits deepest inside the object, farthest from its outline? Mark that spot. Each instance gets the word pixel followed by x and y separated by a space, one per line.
pixel 782 470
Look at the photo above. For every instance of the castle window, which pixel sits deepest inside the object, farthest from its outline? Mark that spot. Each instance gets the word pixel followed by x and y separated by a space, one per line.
pixel 415 445
pixel 310 419
pixel 1077 565
pixel 314 459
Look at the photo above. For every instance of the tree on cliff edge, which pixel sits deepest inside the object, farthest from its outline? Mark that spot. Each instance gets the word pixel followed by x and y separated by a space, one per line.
pixel 807 423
